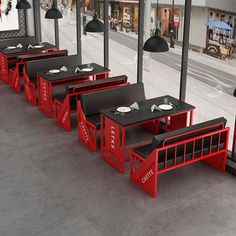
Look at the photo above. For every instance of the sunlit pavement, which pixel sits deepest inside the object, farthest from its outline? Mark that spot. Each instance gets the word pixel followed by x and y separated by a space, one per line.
pixel 159 78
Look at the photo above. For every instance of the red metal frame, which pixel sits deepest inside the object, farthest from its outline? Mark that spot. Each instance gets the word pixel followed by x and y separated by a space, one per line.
pixel 3 68
pixel 4 61
pixel 144 172
pixel 87 132
pixel 120 154
pixel 15 75
pixel 63 111
pixel 30 89
pixel 45 99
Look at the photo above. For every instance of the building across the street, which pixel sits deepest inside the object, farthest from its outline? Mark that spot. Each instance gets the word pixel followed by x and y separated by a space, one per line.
pixel 169 14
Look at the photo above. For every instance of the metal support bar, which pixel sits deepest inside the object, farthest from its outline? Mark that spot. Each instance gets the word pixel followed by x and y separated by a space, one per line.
pixel 78 30
pixel 234 142
pixel 172 31
pixel 140 41
pixel 26 23
pixel 37 20
pixel 184 63
pixel 106 34
pixel 56 28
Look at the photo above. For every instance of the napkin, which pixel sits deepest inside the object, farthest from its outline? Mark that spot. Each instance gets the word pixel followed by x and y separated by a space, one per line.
pixel 19 46
pixel 134 106
pixel 77 69
pixel 64 68
pixel 30 46
pixel 154 107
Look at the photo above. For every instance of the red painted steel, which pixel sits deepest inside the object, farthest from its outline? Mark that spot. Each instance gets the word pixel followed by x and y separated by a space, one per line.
pixel 15 74
pixel 3 68
pixel 47 106
pixel 62 109
pixel 30 89
pixel 87 132
pixel 124 153
pixel 148 181
pixel 5 59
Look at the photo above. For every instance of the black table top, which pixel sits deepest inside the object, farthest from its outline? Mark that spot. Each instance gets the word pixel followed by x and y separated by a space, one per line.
pixel 144 113
pixel 25 49
pixel 70 73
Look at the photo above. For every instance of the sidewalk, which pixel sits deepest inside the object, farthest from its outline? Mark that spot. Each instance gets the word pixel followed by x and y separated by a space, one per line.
pixel 227 65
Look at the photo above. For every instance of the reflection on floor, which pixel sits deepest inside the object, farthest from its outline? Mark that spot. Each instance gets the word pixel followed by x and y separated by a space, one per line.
pixel 51 185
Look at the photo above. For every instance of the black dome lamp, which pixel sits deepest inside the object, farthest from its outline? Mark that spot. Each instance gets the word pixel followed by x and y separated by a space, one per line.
pixel 53 13
pixel 23 4
pixel 156 44
pixel 95 25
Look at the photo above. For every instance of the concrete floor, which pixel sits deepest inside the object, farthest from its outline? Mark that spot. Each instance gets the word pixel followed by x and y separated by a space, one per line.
pixel 51 185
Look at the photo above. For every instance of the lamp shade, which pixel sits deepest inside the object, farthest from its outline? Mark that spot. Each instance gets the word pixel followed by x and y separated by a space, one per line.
pixel 95 25
pixel 53 13
pixel 23 4
pixel 156 44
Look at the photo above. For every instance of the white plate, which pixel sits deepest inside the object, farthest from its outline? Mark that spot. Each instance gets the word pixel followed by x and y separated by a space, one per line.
pixel 38 46
pixel 11 47
pixel 87 69
pixel 54 71
pixel 124 109
pixel 165 107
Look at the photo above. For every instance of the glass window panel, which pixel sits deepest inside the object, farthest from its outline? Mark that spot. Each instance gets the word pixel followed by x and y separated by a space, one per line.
pixel 47 25
pixel 123 35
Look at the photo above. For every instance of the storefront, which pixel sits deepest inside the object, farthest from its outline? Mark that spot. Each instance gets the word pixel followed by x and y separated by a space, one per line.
pixel 168 19
pixel 124 12
pixel 220 34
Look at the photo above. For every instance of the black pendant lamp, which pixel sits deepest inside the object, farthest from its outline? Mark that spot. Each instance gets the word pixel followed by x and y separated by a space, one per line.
pixel 95 25
pixel 156 44
pixel 23 4
pixel 53 13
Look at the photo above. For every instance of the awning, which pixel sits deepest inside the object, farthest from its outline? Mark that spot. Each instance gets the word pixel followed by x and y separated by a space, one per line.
pixel 219 24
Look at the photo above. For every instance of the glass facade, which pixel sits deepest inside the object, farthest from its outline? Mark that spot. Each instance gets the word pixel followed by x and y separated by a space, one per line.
pixel 211 81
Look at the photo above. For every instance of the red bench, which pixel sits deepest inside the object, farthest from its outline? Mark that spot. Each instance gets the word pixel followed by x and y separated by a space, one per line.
pixel 33 67
pixel 15 74
pixel 90 105
pixel 206 141
pixel 65 104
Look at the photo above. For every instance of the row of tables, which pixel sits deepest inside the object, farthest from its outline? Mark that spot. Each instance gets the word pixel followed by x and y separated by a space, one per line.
pixel 113 126
pixel 10 55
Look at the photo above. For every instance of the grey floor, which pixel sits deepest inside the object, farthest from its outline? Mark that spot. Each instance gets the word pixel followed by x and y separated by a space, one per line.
pixel 51 185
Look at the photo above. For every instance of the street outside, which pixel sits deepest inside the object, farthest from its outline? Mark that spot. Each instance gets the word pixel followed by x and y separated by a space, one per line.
pixel 211 81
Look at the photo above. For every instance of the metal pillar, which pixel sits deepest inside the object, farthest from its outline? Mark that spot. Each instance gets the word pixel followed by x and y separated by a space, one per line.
pixel 56 28
pixel 184 63
pixel 106 34
pixel 26 23
pixel 234 137
pixel 37 20
pixel 172 31
pixel 78 30
pixel 234 142
pixel 140 41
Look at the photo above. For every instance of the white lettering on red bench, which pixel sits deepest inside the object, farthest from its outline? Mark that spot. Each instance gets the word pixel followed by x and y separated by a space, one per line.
pixel 112 137
pixel 65 117
pixel 147 176
pixel 84 131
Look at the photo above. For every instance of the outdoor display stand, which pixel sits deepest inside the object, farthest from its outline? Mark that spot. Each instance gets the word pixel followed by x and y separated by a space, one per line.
pixel 219 40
